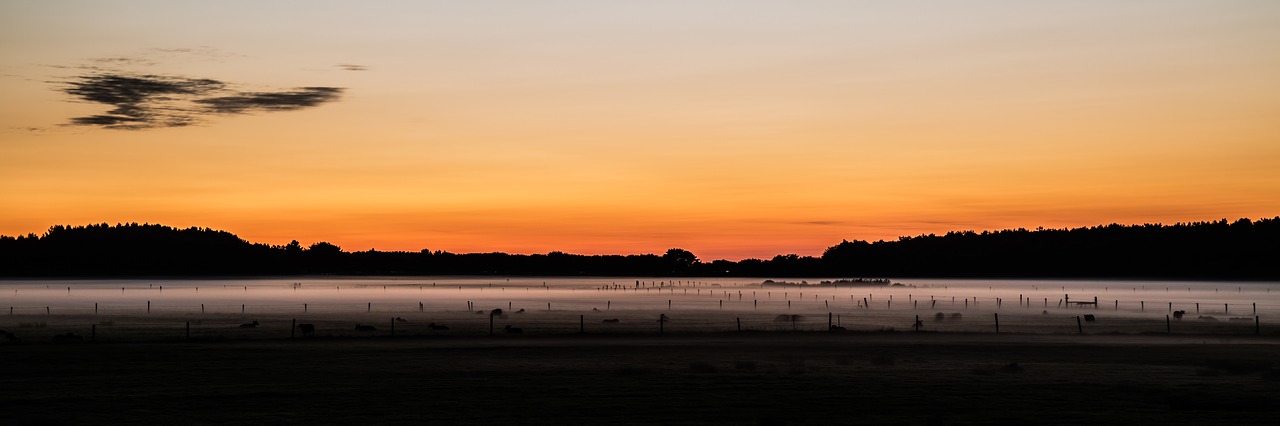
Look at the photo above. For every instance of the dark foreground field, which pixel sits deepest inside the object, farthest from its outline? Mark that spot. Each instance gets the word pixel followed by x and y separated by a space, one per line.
pixel 743 378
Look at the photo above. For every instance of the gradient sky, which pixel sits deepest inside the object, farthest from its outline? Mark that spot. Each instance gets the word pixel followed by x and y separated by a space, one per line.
pixel 732 129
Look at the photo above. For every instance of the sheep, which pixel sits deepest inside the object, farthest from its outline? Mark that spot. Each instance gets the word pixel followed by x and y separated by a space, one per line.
pixel 513 330
pixel 250 325
pixel 612 320
pixel 435 326
pixel 362 327
pixel 67 338
pixel 307 329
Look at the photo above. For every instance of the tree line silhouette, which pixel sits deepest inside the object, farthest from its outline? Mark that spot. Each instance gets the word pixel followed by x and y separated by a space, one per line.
pixel 1243 249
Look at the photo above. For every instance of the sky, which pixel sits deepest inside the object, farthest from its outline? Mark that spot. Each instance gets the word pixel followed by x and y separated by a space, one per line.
pixel 733 129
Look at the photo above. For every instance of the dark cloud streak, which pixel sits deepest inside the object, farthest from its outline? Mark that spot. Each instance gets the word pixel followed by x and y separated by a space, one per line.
pixel 143 101
pixel 298 98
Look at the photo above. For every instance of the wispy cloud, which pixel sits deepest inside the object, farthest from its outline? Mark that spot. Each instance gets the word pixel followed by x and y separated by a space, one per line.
pixel 298 98
pixel 353 67
pixel 145 101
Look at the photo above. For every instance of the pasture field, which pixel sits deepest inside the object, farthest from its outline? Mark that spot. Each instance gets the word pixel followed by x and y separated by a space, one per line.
pixel 731 352
pixel 683 376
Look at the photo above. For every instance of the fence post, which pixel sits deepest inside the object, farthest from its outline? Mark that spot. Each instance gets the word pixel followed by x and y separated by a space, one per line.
pixel 293 327
pixel 1079 325
pixel 997 323
pixel 1168 326
pixel 739 324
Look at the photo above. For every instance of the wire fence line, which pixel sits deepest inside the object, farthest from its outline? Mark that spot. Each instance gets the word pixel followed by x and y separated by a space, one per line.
pixel 37 327
pixel 155 311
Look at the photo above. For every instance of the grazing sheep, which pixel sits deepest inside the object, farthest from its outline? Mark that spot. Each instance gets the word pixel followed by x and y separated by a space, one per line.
pixel 1089 318
pixel 513 330
pixel 307 329
pixel 1208 318
pixel 249 325
pixel 613 320
pixel 398 319
pixel 956 316
pixel 1179 313
pixel 837 328
pixel 496 312
pixel 786 318
pixel 362 327
pixel 435 326
pixel 67 338
pixel 521 311
pixel 595 309
pixel 939 317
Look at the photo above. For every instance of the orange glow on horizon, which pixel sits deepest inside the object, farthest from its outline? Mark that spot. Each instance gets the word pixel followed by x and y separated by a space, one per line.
pixel 730 130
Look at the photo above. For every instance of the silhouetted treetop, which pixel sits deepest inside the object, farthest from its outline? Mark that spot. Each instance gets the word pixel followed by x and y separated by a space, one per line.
pixel 1244 249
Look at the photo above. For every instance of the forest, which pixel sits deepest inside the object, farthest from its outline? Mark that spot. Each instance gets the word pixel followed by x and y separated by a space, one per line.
pixel 1244 249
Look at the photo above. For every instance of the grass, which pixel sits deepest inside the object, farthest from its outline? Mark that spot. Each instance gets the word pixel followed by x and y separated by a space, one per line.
pixel 730 378
pixel 144 369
